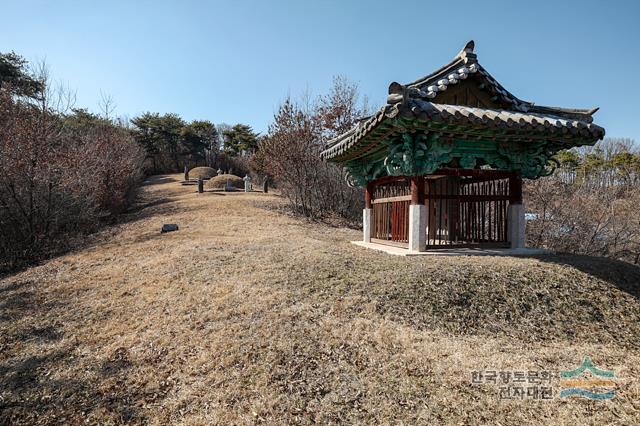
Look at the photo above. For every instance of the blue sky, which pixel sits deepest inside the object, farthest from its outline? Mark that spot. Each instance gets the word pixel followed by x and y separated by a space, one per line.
pixel 235 61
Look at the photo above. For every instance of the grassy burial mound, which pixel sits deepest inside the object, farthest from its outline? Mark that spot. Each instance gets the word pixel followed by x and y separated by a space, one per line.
pixel 249 316
pixel 220 182
pixel 543 298
pixel 202 172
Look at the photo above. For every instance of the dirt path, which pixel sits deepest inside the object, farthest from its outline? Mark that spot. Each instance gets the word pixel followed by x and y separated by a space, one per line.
pixel 246 315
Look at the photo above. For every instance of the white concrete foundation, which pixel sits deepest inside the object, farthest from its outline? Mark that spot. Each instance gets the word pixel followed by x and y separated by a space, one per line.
pixel 417 227
pixel 461 251
pixel 516 225
pixel 366 225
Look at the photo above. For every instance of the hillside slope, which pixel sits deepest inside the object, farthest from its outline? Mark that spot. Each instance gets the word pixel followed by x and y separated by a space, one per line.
pixel 246 315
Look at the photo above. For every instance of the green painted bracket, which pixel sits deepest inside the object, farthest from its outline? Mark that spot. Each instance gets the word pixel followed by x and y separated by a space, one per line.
pixel 412 152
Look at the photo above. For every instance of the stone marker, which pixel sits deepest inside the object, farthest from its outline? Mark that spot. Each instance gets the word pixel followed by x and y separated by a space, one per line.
pixel 200 185
pixel 265 185
pixel 169 227
pixel 247 183
pixel 186 173
pixel 219 172
pixel 229 187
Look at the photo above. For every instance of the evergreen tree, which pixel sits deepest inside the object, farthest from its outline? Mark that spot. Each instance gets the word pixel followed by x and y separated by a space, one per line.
pixel 240 139
pixel 200 137
pixel 15 76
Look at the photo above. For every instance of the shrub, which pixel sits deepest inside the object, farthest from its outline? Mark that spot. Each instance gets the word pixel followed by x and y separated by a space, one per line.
pixel 589 206
pixel 290 153
pixel 219 182
pixel 63 175
pixel 202 172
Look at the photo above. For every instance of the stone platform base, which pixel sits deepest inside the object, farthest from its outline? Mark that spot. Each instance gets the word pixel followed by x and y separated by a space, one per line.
pixel 460 251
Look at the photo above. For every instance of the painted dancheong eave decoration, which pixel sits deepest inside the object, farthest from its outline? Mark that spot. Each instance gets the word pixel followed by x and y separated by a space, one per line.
pixel 459 117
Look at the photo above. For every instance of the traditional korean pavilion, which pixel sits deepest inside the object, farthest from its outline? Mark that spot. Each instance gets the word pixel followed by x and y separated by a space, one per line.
pixel 442 162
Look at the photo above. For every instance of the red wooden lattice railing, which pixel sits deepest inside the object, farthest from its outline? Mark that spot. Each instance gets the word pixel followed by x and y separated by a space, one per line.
pixel 390 212
pixel 465 211
pixel 461 209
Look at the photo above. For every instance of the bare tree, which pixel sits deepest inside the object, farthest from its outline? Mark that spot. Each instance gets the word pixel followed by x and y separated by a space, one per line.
pixel 290 152
pixel 594 212
pixel 106 105
pixel 64 170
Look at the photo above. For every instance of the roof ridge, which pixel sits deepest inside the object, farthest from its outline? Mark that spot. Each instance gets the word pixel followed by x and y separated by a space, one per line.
pixel 467 50
pixel 463 64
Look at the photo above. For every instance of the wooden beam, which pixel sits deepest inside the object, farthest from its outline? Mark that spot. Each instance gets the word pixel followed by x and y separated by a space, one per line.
pixel 497 174
pixel 392 199
pixel 387 179
pixel 469 198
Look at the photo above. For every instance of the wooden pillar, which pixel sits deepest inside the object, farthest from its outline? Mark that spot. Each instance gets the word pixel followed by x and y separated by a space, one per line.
pixel 417 190
pixel 368 195
pixel 515 188
pixel 417 216
pixel 453 207
pixel 515 216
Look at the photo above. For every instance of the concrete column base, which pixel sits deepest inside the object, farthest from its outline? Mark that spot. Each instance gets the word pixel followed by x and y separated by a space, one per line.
pixel 516 225
pixel 417 227
pixel 366 225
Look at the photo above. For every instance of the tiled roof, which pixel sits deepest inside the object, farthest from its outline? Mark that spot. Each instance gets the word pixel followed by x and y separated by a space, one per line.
pixel 468 121
pixel 515 120
pixel 464 65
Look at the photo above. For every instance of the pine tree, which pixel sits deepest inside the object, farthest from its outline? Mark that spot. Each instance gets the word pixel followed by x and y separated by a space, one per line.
pixel 240 139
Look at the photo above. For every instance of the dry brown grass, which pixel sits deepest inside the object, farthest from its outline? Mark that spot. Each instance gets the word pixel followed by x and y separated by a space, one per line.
pixel 248 316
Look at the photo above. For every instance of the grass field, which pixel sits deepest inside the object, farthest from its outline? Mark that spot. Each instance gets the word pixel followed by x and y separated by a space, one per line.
pixel 248 316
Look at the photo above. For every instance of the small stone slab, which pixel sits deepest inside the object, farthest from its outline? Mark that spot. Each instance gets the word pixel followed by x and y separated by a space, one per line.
pixel 169 227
